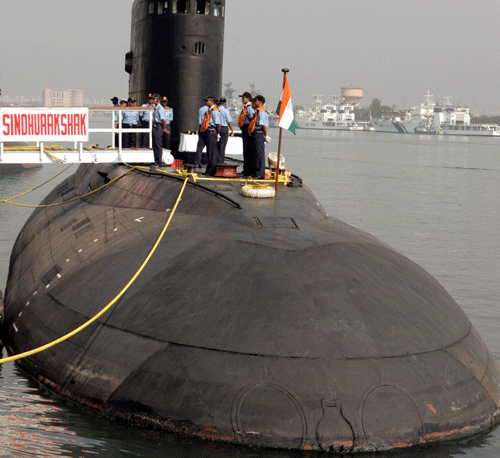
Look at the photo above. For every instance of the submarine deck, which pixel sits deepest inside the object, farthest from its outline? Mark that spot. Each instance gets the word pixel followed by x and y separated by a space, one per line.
pixel 254 331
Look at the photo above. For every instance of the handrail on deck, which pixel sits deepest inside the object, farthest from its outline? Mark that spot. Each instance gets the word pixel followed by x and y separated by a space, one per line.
pixel 18 125
pixel 120 129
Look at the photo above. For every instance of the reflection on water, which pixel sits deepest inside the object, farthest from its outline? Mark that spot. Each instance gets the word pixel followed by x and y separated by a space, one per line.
pixel 435 199
pixel 31 422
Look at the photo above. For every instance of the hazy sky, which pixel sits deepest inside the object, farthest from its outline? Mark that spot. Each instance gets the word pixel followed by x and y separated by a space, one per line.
pixel 394 49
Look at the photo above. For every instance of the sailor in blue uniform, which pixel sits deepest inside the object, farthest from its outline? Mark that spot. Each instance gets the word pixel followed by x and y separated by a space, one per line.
pixel 209 120
pixel 118 116
pixel 130 121
pixel 243 122
pixel 226 123
pixel 145 120
pixel 159 128
pixel 118 121
pixel 170 117
pixel 257 130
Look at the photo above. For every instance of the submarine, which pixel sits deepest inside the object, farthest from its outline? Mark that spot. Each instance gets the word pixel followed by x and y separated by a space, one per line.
pixel 264 322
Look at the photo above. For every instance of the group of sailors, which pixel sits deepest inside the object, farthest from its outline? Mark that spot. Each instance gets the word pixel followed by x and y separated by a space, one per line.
pixel 215 126
pixel 134 119
pixel 215 122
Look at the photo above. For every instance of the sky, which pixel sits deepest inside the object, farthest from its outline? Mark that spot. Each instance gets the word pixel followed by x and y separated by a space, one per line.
pixel 393 49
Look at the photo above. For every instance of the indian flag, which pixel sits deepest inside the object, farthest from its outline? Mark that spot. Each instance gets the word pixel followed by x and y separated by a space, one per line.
pixel 285 110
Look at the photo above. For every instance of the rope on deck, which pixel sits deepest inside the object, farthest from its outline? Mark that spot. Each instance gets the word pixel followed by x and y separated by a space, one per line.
pixel 112 302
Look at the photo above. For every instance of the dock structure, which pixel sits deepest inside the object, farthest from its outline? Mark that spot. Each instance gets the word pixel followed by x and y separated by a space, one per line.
pixel 46 155
pixel 28 136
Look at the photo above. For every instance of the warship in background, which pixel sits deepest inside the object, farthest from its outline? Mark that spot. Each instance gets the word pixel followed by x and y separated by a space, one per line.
pixel 434 119
pixel 233 103
pixel 264 322
pixel 338 114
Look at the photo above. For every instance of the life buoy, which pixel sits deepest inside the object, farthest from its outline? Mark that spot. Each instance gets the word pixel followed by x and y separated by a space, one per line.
pixel 258 191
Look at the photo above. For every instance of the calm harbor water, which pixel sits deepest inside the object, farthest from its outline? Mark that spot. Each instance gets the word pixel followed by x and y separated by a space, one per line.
pixel 435 199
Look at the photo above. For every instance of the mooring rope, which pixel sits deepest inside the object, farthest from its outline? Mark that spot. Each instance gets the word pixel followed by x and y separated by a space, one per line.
pixel 8 201
pixel 112 302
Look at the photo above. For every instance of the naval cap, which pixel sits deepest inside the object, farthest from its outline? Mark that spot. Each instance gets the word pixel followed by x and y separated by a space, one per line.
pixel 260 98
pixel 208 97
pixel 246 94
pixel 222 100
pixel 131 99
pixel 114 99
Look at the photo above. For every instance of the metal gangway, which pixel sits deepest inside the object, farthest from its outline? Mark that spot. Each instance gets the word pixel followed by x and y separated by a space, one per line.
pixel 34 136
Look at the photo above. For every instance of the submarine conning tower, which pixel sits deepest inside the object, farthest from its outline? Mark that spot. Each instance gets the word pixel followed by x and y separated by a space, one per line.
pixel 176 50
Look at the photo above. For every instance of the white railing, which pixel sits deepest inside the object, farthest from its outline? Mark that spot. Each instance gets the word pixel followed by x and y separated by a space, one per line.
pixel 120 130
pixel 43 125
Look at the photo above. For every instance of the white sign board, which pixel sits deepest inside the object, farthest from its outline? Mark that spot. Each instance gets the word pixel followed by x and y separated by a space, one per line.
pixel 44 124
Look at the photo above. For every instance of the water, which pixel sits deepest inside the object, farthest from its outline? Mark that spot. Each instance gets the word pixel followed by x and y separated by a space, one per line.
pixel 435 199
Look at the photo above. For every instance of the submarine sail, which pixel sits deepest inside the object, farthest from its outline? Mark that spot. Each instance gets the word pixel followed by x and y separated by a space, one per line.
pixel 176 51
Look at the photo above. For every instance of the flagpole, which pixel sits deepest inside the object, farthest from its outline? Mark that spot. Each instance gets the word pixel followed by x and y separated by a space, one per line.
pixel 285 71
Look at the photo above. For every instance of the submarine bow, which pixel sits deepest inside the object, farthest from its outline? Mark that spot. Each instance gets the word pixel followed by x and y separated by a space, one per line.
pixel 269 325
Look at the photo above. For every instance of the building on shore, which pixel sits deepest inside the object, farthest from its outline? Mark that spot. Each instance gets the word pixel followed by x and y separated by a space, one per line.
pixel 66 98
pixel 20 100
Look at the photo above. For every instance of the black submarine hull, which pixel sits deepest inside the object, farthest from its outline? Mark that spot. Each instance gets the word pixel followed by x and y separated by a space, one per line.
pixel 264 322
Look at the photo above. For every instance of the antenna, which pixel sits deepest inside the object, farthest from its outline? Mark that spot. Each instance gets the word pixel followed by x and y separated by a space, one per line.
pixel 447 100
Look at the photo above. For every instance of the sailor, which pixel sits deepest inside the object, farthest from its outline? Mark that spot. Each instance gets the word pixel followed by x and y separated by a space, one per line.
pixel 226 124
pixel 145 120
pixel 116 104
pixel 118 121
pixel 257 130
pixel 159 128
pixel 130 121
pixel 243 122
pixel 210 124
pixel 170 118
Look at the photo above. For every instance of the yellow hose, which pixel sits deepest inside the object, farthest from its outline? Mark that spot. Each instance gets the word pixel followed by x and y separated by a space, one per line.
pixel 31 148
pixel 55 148
pixel 8 201
pixel 110 304
pixel 183 173
pixel 36 187
pixel 36 148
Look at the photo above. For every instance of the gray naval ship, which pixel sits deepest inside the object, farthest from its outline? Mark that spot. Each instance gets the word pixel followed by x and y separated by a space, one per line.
pixel 263 322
